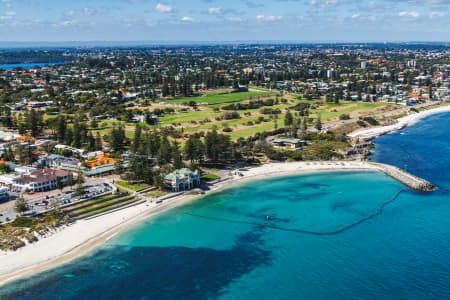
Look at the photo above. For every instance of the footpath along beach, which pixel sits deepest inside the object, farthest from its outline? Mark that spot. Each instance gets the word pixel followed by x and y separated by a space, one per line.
pixel 84 235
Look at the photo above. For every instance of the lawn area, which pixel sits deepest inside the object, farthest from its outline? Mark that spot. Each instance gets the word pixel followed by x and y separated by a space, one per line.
pixel 210 177
pixel 345 108
pixel 155 194
pixel 252 130
pixel 224 98
pixel 190 116
pixel 110 207
pixel 100 204
pixel 87 202
pixel 134 187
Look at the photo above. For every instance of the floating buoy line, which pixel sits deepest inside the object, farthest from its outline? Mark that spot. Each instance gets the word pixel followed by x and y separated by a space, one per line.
pixel 273 226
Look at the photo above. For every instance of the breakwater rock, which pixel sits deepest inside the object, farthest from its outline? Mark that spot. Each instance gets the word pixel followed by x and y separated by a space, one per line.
pixel 406 178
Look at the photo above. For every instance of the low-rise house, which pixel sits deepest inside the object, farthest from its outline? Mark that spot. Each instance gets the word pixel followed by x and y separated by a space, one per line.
pixel 182 179
pixel 8 136
pixel 26 139
pixel 288 143
pixel 68 148
pixel 40 180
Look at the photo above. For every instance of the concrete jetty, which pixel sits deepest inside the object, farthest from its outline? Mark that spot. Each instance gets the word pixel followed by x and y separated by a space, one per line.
pixel 406 178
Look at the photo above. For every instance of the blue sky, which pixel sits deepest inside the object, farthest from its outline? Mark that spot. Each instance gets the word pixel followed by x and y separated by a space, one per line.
pixel 230 20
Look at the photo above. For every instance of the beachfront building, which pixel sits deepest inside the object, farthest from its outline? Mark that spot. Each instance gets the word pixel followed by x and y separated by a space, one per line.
pixel 288 143
pixel 40 180
pixel 182 179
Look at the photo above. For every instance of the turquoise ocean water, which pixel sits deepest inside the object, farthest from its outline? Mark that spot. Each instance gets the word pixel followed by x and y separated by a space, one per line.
pixel 402 253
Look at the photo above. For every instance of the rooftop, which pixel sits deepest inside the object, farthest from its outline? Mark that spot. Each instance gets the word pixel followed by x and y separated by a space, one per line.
pixel 287 140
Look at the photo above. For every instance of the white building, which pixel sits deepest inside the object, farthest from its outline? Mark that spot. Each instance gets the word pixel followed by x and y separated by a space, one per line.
pixel 40 180
pixel 182 180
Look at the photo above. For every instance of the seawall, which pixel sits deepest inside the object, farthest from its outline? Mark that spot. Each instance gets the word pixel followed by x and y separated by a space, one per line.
pixel 406 178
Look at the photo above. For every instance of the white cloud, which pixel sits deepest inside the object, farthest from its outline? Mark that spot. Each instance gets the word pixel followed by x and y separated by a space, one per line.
pixel 326 3
pixel 88 11
pixel 409 14
pixel 234 19
pixel 264 18
pixel 162 8
pixel 70 13
pixel 8 15
pixel 187 19
pixel 436 14
pixel 216 11
pixel 356 16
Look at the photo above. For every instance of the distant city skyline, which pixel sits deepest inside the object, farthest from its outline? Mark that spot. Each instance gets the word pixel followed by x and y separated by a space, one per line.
pixel 232 20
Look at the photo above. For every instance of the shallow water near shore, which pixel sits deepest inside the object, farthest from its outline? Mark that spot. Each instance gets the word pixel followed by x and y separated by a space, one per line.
pixel 402 253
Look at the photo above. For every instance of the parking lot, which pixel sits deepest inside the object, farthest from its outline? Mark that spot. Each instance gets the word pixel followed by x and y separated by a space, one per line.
pixel 44 202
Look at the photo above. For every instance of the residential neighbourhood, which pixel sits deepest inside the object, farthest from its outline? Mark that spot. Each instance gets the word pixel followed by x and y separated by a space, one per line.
pixel 111 128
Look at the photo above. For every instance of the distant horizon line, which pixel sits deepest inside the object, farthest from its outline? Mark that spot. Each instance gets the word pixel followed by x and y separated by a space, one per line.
pixel 199 42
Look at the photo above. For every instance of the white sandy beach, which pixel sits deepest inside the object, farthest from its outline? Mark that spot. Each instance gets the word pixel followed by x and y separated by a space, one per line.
pixel 84 235
pixel 371 133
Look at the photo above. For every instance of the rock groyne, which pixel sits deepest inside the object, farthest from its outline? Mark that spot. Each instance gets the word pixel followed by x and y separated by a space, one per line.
pixel 406 178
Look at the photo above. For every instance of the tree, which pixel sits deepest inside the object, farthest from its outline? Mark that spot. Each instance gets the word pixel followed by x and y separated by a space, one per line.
pixel 59 183
pixel 68 136
pixel 61 129
pixel 34 122
pixel 4 168
pixel 80 188
pixel 98 142
pixel 294 129
pixel 137 139
pixel 21 205
pixel 189 149
pixel 77 138
pixel 163 157
pixel 194 149
pixel 118 168
pixel 177 160
pixel 117 138
pixel 318 124
pixel 94 123
pixel 212 145
pixel 288 119
pixel 69 181
pixel 158 181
